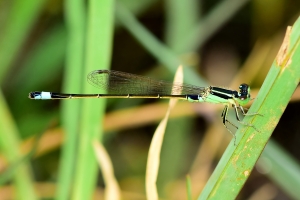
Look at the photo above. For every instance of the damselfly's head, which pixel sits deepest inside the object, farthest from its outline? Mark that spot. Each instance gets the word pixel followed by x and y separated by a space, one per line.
pixel 244 94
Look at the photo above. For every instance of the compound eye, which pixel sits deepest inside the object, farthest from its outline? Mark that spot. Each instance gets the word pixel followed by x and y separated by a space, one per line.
pixel 244 87
pixel 244 91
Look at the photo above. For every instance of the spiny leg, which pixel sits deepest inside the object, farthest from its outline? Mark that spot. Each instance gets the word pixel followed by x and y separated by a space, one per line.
pixel 224 117
pixel 238 117
pixel 247 114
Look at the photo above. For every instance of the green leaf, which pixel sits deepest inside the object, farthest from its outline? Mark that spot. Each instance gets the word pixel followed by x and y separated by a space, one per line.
pixel 238 161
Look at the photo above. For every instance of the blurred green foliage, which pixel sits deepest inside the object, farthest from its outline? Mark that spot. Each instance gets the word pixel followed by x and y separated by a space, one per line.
pixel 52 45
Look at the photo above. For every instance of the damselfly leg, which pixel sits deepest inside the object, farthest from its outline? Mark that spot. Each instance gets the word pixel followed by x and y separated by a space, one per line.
pixel 225 120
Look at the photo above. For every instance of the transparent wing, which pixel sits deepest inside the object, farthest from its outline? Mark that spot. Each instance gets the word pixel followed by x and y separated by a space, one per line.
pixel 115 82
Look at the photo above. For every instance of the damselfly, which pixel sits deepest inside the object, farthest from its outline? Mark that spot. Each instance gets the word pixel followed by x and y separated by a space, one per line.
pixel 124 85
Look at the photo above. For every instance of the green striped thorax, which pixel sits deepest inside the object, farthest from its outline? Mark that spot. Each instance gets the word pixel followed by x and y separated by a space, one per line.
pixel 217 95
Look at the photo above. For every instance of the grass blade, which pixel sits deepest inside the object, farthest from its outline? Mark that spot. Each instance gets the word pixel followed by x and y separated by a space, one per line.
pixel 155 147
pixel 22 17
pixel 238 161
pixel 9 142
pixel 282 168
pixel 75 18
pixel 112 190
pixel 100 26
